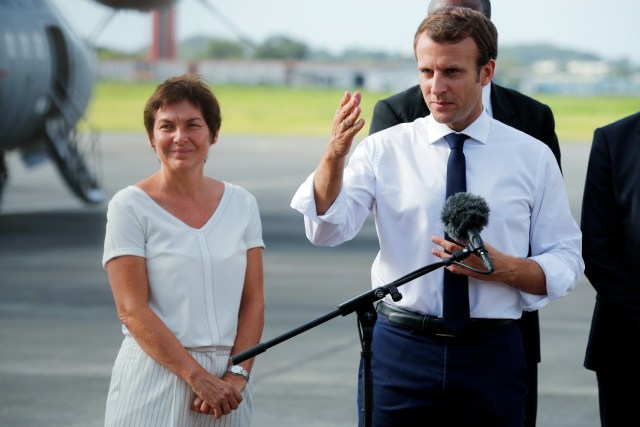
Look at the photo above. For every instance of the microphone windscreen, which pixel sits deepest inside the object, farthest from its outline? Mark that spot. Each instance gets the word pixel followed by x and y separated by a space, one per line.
pixel 462 212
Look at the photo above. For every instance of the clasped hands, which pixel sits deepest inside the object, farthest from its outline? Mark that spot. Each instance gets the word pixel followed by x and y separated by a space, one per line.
pixel 223 394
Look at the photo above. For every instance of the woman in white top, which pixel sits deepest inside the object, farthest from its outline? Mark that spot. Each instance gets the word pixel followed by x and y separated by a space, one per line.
pixel 184 256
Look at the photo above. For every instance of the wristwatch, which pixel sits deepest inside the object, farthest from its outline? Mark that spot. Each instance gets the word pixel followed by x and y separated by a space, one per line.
pixel 238 370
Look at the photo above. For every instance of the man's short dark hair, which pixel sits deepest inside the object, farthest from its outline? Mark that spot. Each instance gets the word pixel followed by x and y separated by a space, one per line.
pixel 453 24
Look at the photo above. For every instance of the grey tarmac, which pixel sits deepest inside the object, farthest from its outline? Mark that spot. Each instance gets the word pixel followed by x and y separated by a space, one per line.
pixel 59 331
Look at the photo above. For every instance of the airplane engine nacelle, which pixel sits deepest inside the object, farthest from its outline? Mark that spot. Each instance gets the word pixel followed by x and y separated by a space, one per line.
pixel 45 71
pixel 46 81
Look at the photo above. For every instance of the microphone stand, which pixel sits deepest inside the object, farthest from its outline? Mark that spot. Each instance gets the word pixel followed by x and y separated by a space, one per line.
pixel 363 305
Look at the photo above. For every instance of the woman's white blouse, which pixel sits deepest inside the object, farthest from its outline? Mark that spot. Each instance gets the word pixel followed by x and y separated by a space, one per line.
pixel 196 276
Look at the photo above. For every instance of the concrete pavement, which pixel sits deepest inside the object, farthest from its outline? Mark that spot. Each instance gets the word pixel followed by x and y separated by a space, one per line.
pixel 60 332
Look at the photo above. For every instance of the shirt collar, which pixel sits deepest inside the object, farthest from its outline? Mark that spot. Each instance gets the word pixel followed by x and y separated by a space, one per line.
pixel 478 130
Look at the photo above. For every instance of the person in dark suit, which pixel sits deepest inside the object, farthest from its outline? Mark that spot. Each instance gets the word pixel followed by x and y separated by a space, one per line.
pixel 514 109
pixel 611 250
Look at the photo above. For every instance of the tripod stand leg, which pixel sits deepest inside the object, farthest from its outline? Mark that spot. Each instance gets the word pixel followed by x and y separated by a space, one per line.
pixel 366 321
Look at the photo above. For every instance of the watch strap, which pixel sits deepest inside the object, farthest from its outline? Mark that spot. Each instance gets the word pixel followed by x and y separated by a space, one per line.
pixel 238 370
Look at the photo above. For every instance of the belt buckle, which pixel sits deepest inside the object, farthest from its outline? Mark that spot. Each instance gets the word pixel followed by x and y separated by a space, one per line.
pixel 425 326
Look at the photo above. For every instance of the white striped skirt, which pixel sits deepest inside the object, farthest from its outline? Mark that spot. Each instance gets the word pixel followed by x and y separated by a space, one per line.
pixel 144 393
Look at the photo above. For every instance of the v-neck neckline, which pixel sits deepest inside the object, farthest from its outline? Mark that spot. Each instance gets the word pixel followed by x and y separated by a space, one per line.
pixel 214 218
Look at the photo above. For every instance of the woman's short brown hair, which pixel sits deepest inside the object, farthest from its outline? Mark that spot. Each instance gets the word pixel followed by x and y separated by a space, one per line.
pixel 187 87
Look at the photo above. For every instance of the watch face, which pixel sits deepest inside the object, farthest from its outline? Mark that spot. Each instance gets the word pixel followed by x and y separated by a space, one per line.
pixel 239 370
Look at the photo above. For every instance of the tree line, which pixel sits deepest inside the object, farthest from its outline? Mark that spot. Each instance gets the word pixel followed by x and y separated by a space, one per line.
pixel 280 47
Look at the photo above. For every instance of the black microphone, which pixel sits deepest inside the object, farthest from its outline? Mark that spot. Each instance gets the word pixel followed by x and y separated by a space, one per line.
pixel 464 215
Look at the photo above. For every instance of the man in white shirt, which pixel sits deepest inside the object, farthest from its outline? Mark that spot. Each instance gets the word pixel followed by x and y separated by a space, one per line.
pixel 421 369
pixel 514 109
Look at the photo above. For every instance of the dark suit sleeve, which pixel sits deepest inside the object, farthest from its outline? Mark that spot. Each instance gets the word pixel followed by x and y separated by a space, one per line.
pixel 608 265
pixel 383 117
pixel 548 134
pixel 525 114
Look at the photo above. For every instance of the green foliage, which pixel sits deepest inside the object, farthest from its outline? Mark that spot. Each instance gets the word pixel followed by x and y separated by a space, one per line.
pixel 225 49
pixel 281 47
pixel 269 110
pixel 194 48
pixel 528 54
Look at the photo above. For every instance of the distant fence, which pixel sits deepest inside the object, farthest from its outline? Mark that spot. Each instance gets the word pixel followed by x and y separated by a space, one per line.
pixel 255 72
pixel 349 75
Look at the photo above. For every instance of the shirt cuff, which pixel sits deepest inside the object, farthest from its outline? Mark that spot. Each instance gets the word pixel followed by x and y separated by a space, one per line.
pixel 560 280
pixel 304 202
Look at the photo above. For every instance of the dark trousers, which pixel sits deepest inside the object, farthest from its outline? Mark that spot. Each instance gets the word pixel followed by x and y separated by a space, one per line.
pixel 531 410
pixel 479 380
pixel 530 330
pixel 618 395
pixel 613 352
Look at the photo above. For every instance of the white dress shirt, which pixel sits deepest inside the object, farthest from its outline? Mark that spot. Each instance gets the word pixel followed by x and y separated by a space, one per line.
pixel 196 276
pixel 399 174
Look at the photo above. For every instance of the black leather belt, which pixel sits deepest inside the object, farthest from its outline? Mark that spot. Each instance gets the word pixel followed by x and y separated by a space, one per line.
pixel 432 325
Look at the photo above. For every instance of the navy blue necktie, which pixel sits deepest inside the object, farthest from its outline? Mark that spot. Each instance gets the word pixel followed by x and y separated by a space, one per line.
pixel 455 310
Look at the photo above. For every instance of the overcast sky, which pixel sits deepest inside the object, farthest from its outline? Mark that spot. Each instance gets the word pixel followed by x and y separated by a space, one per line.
pixel 607 28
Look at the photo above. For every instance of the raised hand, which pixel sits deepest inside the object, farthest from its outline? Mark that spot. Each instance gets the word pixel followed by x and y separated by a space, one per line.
pixel 346 124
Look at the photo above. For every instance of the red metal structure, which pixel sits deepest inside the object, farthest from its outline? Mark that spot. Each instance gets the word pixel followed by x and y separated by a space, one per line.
pixel 163 46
